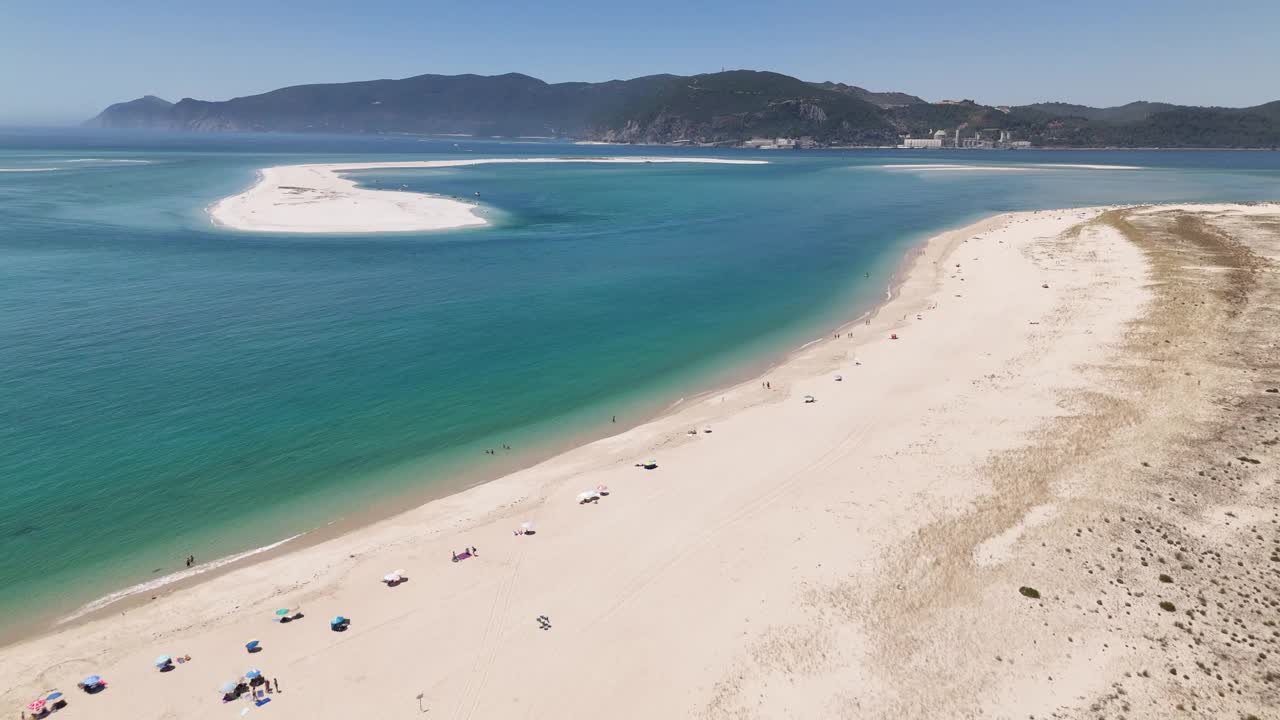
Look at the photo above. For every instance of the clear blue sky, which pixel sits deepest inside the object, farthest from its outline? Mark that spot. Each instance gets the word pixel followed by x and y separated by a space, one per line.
pixel 63 60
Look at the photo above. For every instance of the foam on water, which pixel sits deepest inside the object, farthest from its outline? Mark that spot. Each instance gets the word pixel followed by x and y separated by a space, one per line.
pixel 1029 167
pixel 107 160
pixel 169 579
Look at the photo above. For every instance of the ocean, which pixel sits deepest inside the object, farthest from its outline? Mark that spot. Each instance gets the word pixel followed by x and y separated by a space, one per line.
pixel 171 388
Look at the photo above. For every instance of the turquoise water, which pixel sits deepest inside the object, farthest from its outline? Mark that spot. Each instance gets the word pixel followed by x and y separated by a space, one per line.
pixel 172 388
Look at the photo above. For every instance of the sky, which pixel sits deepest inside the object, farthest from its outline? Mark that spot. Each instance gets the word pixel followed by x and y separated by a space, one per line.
pixel 62 61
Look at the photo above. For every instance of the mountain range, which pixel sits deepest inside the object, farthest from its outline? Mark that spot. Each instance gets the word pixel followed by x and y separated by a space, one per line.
pixel 715 108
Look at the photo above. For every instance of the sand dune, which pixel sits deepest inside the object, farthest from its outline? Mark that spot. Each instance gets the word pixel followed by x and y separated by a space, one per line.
pixel 975 521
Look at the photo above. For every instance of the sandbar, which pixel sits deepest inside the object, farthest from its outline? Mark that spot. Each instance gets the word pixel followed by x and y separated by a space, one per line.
pixel 317 198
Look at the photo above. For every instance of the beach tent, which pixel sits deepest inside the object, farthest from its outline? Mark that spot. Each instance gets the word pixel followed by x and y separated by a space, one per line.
pixel 163 661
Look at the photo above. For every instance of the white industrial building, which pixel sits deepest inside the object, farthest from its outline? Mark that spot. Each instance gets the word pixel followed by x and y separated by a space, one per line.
pixel 921 143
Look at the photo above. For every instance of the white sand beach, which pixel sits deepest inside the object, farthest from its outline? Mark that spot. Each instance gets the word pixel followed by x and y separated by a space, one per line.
pixel 975 520
pixel 318 199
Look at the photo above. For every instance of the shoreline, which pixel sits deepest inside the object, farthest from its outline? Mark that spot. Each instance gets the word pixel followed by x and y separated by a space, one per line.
pixel 774 551
pixel 143 593
pixel 317 198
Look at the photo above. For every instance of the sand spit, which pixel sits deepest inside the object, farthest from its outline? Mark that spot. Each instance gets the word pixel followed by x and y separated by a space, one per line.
pixel 318 199
pixel 1053 495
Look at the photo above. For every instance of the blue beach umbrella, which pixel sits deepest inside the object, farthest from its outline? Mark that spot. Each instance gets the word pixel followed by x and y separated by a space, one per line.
pixel 92 681
pixel 337 620
pixel 251 645
pixel 53 697
pixel 253 674
pixel 163 660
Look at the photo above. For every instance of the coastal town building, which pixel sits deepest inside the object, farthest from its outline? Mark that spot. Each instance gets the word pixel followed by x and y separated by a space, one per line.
pixel 771 143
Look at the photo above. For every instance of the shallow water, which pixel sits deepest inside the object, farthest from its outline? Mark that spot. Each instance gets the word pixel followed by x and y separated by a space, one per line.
pixel 171 388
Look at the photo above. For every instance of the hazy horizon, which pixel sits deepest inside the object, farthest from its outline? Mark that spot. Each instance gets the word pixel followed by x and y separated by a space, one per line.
pixel 78 58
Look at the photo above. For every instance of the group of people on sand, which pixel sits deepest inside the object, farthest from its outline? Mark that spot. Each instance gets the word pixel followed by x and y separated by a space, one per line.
pixel 256 689
pixel 766 385
pixel 466 553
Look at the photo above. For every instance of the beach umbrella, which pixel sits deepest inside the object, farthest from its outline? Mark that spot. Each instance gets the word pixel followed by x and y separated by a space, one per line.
pixel 282 612
pixel 251 645
pixel 602 488
pixel 53 697
pixel 36 706
pixel 163 660
pixel 92 681
pixel 338 620
pixel 527 525
pixel 392 577
pixel 255 673
pixel 228 687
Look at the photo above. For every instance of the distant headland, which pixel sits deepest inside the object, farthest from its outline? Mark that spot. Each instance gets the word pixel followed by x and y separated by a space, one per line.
pixel 737 108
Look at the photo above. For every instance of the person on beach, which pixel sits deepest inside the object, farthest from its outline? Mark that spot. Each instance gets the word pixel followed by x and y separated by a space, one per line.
pixel 615 419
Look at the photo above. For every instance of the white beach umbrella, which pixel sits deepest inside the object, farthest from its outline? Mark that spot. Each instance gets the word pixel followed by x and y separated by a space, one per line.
pixel 527 525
